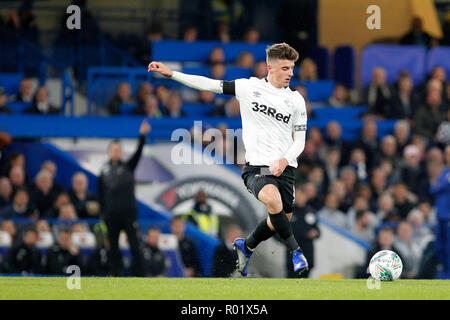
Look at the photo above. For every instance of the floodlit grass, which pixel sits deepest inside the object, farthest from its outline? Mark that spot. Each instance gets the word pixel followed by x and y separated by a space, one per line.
pixel 20 288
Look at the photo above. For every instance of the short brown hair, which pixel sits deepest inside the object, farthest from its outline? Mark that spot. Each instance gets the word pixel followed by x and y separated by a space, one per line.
pixel 281 51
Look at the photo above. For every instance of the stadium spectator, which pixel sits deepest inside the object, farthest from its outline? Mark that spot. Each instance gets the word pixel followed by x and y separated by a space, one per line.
pixel 40 191
pixel 61 199
pixel 412 173
pixel 145 89
pixel 331 167
pixel 20 206
pixel 202 216
pixel 23 21
pixel 63 254
pixel 9 227
pixel 217 55
pixel 305 230
pixel 173 106
pixel 245 60
pixel 443 131
pixel 17 178
pixel 316 176
pixel 308 70
pixel 409 250
pixel 5 192
pixel 85 202
pixel 447 155
pixel 388 151
pixel 162 94
pixel 260 70
pixel 333 139
pixel 314 200
pixel 331 213
pixel 223 32
pixel 99 262
pixel 154 32
pixel 378 94
pixel 340 96
pixel 224 261
pixel 25 258
pixel 190 34
pixel 386 210
pixel 122 95
pixel 41 105
pixel 428 212
pixel 440 189
pixel 429 116
pixel 218 71
pixel 51 167
pixel 187 248
pixel 403 200
pixel 118 202
pixel 150 108
pixel 251 35
pixel 404 100
pixel 362 226
pixel 25 93
pixel 358 163
pixel 378 182
pixel 3 103
pixel 155 258
pixel 416 35
pixel 402 131
pixel 14 159
pixel 421 233
pixel 369 142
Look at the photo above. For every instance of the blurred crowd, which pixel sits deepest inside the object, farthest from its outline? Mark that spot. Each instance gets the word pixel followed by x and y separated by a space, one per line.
pixel 44 227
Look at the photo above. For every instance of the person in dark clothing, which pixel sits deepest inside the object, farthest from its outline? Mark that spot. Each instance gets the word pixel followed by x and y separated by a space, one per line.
pixel 404 101
pixel 377 94
pixel 402 204
pixel 5 192
pixel 416 35
pixel 118 202
pixel 41 191
pixel 123 94
pixel 3 101
pixel 63 254
pixel 25 258
pixel 84 201
pixel 98 263
pixel 305 229
pixel 224 262
pixel 155 258
pixel 187 248
pixel 41 104
pixel 369 142
pixel 20 207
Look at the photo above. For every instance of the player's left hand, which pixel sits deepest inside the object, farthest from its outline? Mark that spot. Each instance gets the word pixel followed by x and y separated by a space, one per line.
pixel 277 167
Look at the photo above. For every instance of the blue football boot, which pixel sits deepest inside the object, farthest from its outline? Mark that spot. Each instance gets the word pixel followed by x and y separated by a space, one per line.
pixel 243 256
pixel 299 261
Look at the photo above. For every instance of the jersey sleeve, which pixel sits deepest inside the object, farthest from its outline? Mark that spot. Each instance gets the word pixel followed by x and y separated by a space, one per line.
pixel 299 118
pixel 241 87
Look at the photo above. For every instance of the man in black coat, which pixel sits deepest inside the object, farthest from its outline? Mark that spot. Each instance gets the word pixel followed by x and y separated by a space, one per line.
pixel 225 257
pixel 118 202
pixel 63 254
pixel 186 247
pixel 25 258
pixel 305 229
pixel 155 258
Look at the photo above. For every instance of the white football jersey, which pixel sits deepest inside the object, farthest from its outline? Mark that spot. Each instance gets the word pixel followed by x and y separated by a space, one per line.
pixel 269 117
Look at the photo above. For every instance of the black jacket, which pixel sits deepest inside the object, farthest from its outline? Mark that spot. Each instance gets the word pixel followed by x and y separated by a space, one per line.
pixel 224 262
pixel 58 259
pixel 116 186
pixel 23 258
pixel 155 261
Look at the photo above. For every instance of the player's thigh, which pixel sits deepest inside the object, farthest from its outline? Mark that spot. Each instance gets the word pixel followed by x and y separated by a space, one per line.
pixel 270 196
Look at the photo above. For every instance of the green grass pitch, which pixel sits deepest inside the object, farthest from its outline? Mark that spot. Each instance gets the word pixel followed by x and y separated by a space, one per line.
pixel 22 288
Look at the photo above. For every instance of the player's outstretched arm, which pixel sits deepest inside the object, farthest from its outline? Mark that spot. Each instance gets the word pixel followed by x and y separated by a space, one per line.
pixel 196 82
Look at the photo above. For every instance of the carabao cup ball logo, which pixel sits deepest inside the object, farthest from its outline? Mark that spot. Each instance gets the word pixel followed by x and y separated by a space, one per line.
pixel 385 265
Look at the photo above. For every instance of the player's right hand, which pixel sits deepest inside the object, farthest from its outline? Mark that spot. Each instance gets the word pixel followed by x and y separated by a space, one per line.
pixel 159 67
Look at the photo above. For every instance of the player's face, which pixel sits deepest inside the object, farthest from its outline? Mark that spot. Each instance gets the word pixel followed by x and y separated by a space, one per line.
pixel 281 71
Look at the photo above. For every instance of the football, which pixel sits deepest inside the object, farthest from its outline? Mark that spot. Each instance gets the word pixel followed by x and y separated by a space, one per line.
pixel 385 265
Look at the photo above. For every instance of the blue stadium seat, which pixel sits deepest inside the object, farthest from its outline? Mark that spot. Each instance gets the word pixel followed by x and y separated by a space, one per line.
pixel 318 91
pixel 127 108
pixel 198 109
pixel 344 65
pixel 321 57
pixel 345 113
pixel 10 57
pixel 439 56
pixel 18 106
pixel 394 59
pixel 10 82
